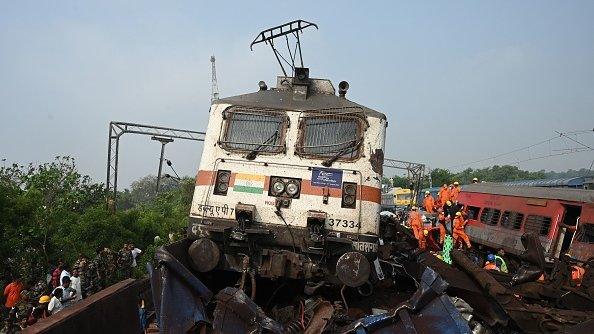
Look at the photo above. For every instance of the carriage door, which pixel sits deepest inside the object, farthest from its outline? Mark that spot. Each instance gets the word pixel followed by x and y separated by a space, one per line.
pixel 572 213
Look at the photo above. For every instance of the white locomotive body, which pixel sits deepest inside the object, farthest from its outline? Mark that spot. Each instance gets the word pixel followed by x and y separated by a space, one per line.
pixel 290 178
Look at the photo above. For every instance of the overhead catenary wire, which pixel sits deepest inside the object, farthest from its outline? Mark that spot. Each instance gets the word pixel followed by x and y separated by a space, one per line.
pixel 563 135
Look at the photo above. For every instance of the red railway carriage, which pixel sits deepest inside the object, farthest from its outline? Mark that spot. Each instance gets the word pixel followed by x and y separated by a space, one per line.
pixel 563 218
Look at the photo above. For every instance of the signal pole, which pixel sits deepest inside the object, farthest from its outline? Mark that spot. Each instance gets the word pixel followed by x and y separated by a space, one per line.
pixel 163 141
pixel 214 90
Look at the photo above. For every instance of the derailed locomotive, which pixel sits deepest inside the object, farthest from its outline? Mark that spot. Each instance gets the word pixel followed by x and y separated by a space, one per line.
pixel 289 184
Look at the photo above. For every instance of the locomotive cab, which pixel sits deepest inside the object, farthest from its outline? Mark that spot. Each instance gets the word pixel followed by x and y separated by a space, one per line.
pixel 289 184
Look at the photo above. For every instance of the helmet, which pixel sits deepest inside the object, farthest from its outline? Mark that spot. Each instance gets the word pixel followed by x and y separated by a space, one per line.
pixel 449 202
pixel 456 183
pixel 427 192
pixel 44 299
pixel 425 232
pixel 475 179
pixel 490 257
pixel 458 213
pixel 413 208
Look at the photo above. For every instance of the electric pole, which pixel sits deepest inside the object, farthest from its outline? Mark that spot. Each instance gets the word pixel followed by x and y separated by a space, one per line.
pixel 214 90
pixel 163 141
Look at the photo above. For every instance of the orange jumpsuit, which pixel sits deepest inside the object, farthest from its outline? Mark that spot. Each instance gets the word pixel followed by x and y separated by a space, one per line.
pixel 459 233
pixel 416 223
pixel 443 196
pixel 428 203
pixel 490 266
pixel 454 193
pixel 441 224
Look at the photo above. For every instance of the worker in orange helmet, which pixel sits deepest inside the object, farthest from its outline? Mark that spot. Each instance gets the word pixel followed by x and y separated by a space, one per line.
pixel 441 223
pixel 444 195
pixel 459 234
pixel 428 202
pixel 455 191
pixel 416 224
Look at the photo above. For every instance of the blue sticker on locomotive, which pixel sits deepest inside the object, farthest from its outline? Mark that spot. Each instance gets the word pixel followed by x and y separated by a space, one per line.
pixel 322 177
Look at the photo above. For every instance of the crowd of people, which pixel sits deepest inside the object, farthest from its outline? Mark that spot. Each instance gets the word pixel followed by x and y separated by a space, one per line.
pixel 451 217
pixel 24 303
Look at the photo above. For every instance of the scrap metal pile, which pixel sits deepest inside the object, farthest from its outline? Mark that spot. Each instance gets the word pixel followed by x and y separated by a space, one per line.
pixel 408 291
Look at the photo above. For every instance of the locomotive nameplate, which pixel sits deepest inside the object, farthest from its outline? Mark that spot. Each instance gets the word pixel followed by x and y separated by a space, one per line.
pixel 324 177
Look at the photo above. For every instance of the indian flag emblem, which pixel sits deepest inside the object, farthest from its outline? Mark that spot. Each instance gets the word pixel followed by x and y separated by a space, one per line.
pixel 249 183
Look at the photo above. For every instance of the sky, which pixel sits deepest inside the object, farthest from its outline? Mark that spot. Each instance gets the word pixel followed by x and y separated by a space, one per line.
pixel 459 81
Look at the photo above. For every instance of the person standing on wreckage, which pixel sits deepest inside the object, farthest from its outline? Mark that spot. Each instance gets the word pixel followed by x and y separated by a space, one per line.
pixel 459 234
pixel 416 223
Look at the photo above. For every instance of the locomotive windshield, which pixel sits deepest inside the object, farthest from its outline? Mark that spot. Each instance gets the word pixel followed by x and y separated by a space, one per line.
pixel 330 136
pixel 254 131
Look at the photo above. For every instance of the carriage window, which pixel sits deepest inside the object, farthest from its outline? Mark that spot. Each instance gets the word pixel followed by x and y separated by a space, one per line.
pixel 490 216
pixel 254 131
pixel 585 233
pixel 328 136
pixel 512 220
pixel 402 197
pixel 538 224
pixel 473 212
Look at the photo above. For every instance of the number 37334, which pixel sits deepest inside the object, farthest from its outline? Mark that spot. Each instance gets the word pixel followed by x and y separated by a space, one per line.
pixel 334 222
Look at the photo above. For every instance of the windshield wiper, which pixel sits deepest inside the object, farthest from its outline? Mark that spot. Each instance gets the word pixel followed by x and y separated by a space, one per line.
pixel 353 145
pixel 253 153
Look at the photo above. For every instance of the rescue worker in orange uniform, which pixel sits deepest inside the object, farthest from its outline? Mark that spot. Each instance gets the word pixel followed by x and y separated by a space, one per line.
pixel 423 240
pixel 490 264
pixel 416 224
pixel 455 191
pixel 577 274
pixel 458 233
pixel 428 202
pixel 443 196
pixel 441 223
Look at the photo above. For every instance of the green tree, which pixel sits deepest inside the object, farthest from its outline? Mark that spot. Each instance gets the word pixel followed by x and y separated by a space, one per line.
pixel 439 176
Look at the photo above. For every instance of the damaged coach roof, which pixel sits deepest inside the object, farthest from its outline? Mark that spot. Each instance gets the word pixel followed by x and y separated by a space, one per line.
pixel 315 95
pixel 567 194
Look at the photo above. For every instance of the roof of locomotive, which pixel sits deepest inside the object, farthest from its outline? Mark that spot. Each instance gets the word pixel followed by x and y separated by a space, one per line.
pixel 564 194
pixel 320 98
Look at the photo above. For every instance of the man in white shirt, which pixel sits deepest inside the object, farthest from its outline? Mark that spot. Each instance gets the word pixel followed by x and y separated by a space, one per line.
pixel 55 305
pixel 64 273
pixel 76 285
pixel 68 293
pixel 135 252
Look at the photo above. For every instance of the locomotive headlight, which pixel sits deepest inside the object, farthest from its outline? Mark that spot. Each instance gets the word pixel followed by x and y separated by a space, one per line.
pixel 292 188
pixel 222 182
pixel 349 200
pixel 349 195
pixel 222 187
pixel 278 187
pixel 350 189
pixel 281 186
